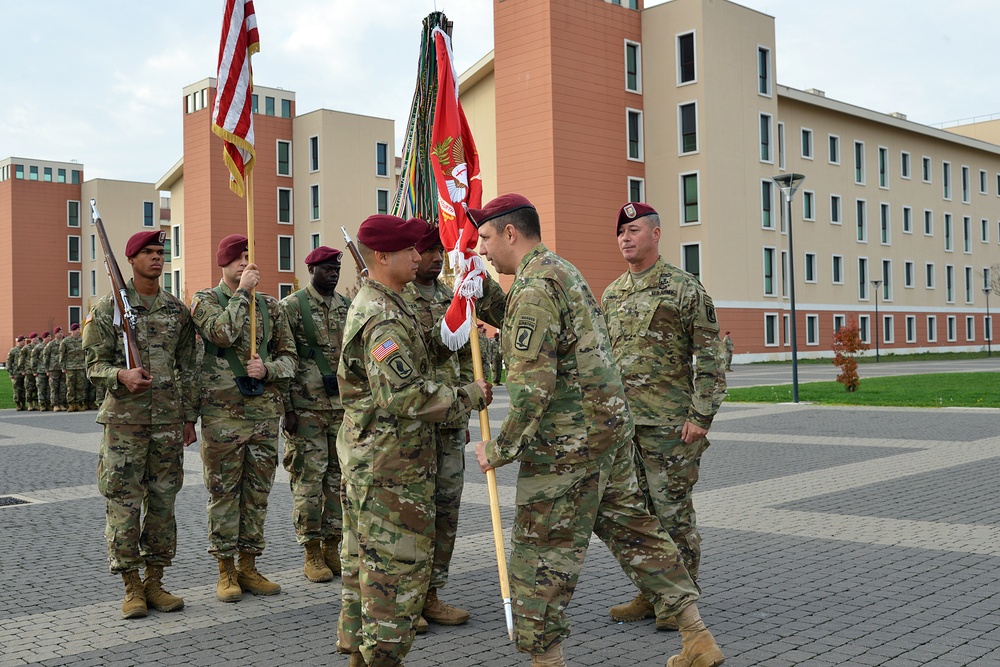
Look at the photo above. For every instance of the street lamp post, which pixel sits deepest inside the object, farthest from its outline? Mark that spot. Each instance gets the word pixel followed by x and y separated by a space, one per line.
pixel 876 284
pixel 788 184
pixel 988 328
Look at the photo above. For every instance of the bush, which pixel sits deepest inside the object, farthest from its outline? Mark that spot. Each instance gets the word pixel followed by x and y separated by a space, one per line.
pixel 847 346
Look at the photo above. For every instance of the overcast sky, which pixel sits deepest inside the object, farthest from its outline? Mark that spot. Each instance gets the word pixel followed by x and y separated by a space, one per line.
pixel 100 81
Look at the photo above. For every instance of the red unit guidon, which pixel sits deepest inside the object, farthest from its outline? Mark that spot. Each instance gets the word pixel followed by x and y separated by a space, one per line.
pixel 384 350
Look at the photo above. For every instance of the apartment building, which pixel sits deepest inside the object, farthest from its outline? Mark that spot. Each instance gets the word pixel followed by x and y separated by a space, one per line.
pixel 597 103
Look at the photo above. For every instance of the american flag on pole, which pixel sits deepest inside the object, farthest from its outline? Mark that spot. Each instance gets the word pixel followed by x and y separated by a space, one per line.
pixel 232 118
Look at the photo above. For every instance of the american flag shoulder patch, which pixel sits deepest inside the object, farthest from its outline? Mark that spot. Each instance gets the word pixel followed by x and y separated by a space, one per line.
pixel 384 350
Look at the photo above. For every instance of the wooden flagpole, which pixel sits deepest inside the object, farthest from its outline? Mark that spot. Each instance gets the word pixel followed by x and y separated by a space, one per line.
pixel 248 184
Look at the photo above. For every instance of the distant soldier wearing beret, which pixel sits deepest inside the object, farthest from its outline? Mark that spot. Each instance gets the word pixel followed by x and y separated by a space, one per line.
pixel 57 381
pixel 660 318
pixel 316 315
pixel 74 363
pixel 240 432
pixel 26 365
pixel 149 413
pixel 40 367
pixel 570 429
pixel 16 374
pixel 387 449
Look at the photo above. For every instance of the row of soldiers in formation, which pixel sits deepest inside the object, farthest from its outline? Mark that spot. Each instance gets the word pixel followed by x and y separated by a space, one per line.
pixel 610 405
pixel 48 372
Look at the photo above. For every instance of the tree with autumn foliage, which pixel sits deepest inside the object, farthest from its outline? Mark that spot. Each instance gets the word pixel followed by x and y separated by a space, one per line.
pixel 847 346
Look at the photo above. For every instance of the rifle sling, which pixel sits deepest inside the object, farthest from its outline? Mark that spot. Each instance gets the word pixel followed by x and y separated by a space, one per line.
pixel 236 364
pixel 313 350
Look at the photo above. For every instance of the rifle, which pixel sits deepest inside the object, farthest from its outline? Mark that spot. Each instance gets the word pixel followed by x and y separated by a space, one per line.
pixel 125 315
pixel 358 259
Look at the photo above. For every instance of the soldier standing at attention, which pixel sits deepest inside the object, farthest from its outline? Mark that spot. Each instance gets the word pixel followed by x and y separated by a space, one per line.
pixel 16 375
pixel 569 427
pixel 40 367
pixel 73 361
pixel 25 365
pixel 496 360
pixel 240 432
pixel 148 415
pixel 313 414
pixel 727 351
pixel 387 449
pixel 659 318
pixel 57 381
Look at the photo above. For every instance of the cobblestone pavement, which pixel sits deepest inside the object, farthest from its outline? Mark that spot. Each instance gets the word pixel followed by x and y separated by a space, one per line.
pixel 832 536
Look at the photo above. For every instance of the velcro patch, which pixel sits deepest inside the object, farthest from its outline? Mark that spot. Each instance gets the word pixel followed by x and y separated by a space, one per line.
pixel 380 352
pixel 400 366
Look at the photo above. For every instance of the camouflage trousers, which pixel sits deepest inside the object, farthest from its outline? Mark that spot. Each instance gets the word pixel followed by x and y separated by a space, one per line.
pixel 76 385
pixel 30 389
pixel 447 499
pixel 57 389
pixel 240 457
pixel 42 389
pixel 668 469
pixel 17 381
pixel 139 471
pixel 558 507
pixel 314 475
pixel 386 559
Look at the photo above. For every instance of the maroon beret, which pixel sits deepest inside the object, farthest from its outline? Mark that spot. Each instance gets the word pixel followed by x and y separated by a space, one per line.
pixel 19 339
pixel 46 334
pixel 502 205
pixel 429 240
pixel 322 255
pixel 387 233
pixel 57 330
pixel 75 326
pixel 34 334
pixel 633 211
pixel 230 249
pixel 140 240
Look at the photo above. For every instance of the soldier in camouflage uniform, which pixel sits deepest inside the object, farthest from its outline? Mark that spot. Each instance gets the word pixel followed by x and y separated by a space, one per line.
pixel 569 427
pixel 149 416
pixel 40 367
pixel 240 432
pixel 73 361
pixel 24 363
pixel 659 318
pixel 313 414
pixel 16 375
pixel 57 381
pixel 496 359
pixel 387 450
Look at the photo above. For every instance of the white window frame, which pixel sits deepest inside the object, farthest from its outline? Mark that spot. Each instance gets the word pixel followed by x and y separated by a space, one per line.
pixel 862 223
pixel 863 293
pixel 69 284
pixel 638 66
pixel 680 129
pixel 887 286
pixel 677 56
pixel 928 218
pixel 883 168
pixel 984 230
pixel 781 146
pixel 79 214
pixel 93 282
pixel 949 283
pixel 291 253
pixel 774 271
pixel 772 318
pixel 865 328
pixel 926 169
pixel 314 241
pixel 911 328
pixel 840 210
pixel 683 205
pixel 388 201
pixel 152 217
pixel 809 265
pixel 629 112
pixel 73 314
pixel 833 157
pixel 315 203
pixel 835 261
pixel 175 246
pixel 932 328
pixel 909 274
pixel 769 159
pixel 768 74
pixel 642 188
pixel 970 284
pixel 285 289
pixel 888 329
pixel 683 259
pixel 839 322
pixel 809 205
pixel 946 180
pixel 769 184
pixel 291 205
pixel 966 184
pixel 885 223
pixel 812 336
pixel 388 160
pixel 930 275
pixel 786 338
pixel 970 328
pixel 949 233
pixel 79 249
pixel 277 154
pixel 907 220
pixel 966 235
pixel 314 152
pixel 859 165
pixel 177 283
pixel 951 328
pixel 905 165
pixel 806 141
pixel 984 183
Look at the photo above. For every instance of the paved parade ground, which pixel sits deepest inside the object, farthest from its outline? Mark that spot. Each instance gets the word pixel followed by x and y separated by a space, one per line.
pixel 832 536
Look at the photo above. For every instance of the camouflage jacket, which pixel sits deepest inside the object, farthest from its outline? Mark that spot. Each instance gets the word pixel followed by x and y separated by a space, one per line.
pixel 390 395
pixel 230 327
pixel 38 363
pixel 51 355
pixel 658 322
pixel 567 403
pixel 165 337
pixel 24 359
pixel 306 390
pixel 452 369
pixel 71 354
pixel 12 361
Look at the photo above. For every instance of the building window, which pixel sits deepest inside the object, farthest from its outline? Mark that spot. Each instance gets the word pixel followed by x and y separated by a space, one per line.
pixel 810 267
pixel 838 322
pixel 61 176
pixel 983 183
pixel 808 205
pixel 949 283
pixel 969 284
pixel 904 165
pixel 986 277
pixel 838 269
pixel 771 329
pixel 928 223
pixel 75 175
pixel 382 201
pixel 689 198
pixel 883 217
pixel 381 159
pixel 765 138
pixel 952 323
pixel 908 274
pixel 634 123
pixel 93 282
pixel 763 71
pixel 284 158
pixel 269 106
pixel 984 231
pixel 812 329
pixel 862 278
pixel 967 235
pixel 859 162
pixel 688 122
pixel 769 272
pixel 888 333
pixel 946 180
pixel 32 173
pixel 633 67
pixel 835 209
pixel 73 249
pixel 74 315
pixel 72 213
pixel 168 282
pixel 861 222
pixel 285 289
pixel 314 202
pixel 313 154
pixel 784 273
pixel 313 241
pixel 931 328
pixel 966 187
pixel 286 256
pixel 864 328
pixel 907 220
pixel 883 167
pixel 636 189
pixel 948 240
pixel 911 329
pixel 166 249
pixel 19 171
pixel 766 204
pixel 887 280
pixel 970 328
pixel 254 106
pixel 781 146
pixel 926 169
pixel 93 247
pixel 74 284
pixel 807 143
pixel 686 71
pixel 147 214
pixel 833 155
pixel 691 259
pixel 175 236
pixel 47 175
pixel 988 328
pixel 784 330
pixel 285 206
pixel 177 283
pixel 286 108
pixel 929 275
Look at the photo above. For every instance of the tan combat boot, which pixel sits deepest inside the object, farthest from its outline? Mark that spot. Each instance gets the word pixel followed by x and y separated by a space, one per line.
pixel 421 627
pixel 357 660
pixel 253 581
pixel 156 596
pixel 553 657
pixel 442 613
pixel 228 589
pixel 636 610
pixel 134 605
pixel 698 647
pixel 315 567
pixel 331 555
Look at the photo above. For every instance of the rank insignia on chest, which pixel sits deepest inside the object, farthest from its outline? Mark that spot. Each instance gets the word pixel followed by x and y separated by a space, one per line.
pixel 525 330
pixel 384 350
